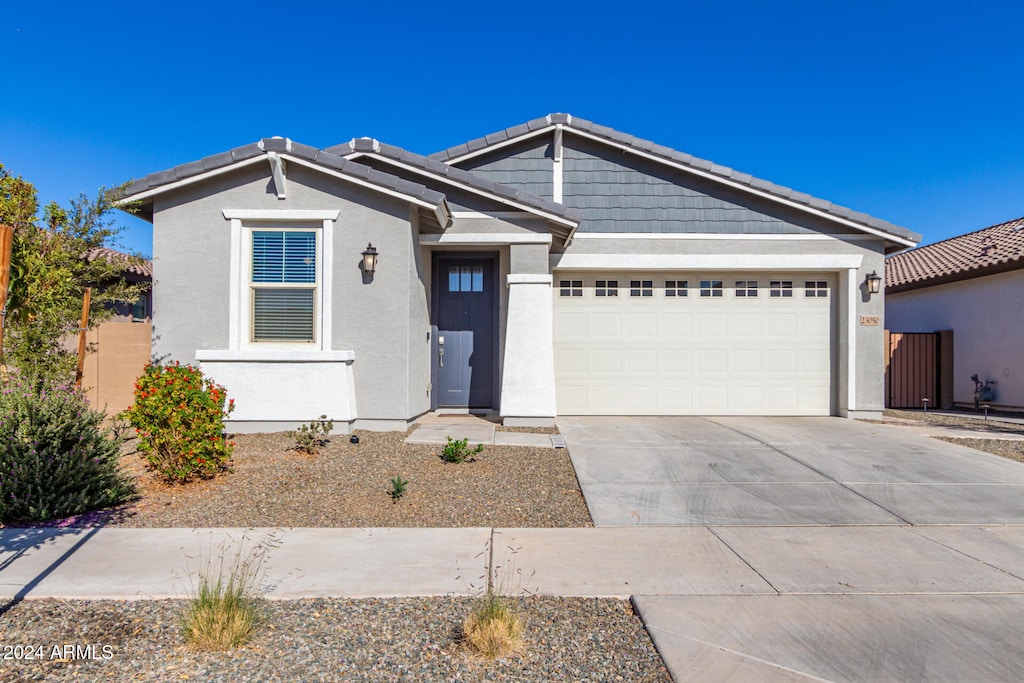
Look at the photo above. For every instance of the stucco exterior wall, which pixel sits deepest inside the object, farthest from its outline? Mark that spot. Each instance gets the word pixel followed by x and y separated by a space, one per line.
pixel 986 315
pixel 382 319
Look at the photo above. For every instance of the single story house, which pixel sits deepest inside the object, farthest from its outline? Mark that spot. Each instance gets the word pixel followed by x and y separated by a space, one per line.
pixel 972 285
pixel 558 267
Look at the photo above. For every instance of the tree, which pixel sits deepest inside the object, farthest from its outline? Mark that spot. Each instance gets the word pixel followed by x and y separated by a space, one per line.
pixel 50 271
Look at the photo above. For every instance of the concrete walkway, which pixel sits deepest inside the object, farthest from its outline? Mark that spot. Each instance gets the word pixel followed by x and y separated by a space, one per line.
pixel 435 428
pixel 918 575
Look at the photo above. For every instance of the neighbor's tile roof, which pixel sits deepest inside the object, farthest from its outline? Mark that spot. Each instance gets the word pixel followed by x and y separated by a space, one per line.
pixel 144 268
pixel 455 174
pixel 285 146
pixel 990 250
pixel 573 123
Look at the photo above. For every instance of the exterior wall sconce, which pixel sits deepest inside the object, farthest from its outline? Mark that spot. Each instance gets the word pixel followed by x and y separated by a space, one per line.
pixel 873 282
pixel 370 259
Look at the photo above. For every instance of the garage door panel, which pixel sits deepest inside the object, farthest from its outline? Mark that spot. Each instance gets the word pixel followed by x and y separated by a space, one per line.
pixel 746 324
pixel 712 361
pixel 662 355
pixel 712 325
pixel 643 361
pixel 605 361
pixel 676 362
pixel 640 325
pixel 601 324
pixel 747 361
pixel 676 324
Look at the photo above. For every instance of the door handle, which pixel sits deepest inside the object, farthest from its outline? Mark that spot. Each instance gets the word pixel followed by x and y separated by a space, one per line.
pixel 440 355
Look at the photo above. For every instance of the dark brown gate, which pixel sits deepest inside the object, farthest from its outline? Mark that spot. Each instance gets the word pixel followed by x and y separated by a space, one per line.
pixel 912 372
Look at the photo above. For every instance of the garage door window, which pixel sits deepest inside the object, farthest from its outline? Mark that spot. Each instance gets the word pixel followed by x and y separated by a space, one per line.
pixel 606 288
pixel 676 287
pixel 781 289
pixel 746 288
pixel 816 288
pixel 711 288
pixel 570 288
pixel 641 287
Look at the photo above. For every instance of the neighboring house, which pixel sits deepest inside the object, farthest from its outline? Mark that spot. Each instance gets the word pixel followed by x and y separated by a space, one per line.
pixel 972 285
pixel 121 345
pixel 554 268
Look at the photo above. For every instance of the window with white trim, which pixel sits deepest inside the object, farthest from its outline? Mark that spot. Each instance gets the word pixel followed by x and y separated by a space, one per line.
pixel 606 288
pixel 746 288
pixel 780 289
pixel 570 288
pixel 284 283
pixel 816 288
pixel 710 288
pixel 676 288
pixel 641 287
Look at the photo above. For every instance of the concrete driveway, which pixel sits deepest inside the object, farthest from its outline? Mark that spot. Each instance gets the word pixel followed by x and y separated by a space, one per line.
pixel 827 549
pixel 782 472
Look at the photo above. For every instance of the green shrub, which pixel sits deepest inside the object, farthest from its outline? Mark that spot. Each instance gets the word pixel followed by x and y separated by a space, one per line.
pixel 56 460
pixel 398 487
pixel 179 417
pixel 458 450
pixel 309 438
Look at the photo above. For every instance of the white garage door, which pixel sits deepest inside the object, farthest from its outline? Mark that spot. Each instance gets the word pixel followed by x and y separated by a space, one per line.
pixel 693 343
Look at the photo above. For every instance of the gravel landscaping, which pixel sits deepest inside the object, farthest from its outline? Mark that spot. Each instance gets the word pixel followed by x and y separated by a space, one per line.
pixel 1011 449
pixel 409 639
pixel 347 485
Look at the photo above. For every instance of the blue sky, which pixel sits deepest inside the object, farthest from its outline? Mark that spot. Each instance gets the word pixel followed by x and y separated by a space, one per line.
pixel 908 111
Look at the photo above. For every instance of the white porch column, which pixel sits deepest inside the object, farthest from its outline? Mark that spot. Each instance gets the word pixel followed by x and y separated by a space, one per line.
pixel 528 375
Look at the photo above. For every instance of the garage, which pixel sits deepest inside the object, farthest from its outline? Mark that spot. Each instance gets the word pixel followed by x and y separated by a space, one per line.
pixel 694 343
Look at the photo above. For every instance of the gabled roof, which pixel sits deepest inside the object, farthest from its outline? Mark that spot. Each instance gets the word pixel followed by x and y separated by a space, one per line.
pixel 676 159
pixel 991 250
pixel 426 166
pixel 145 188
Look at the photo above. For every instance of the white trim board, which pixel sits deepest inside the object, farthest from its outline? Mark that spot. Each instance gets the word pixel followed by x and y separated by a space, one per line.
pixel 485 238
pixel 498 145
pixel 153 191
pixel 280 215
pixel 816 262
pixel 719 236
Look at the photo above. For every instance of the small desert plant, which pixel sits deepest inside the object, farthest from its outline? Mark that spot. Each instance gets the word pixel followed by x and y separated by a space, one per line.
pixel 56 459
pixel 226 608
pixel 458 450
pixel 494 628
pixel 179 417
pixel 398 486
pixel 309 438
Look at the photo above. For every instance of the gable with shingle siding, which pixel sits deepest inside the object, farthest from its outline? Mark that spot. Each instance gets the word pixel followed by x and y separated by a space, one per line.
pixel 622 193
pixel 526 166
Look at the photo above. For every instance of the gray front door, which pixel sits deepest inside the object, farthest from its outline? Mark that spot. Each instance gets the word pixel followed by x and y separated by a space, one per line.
pixel 465 312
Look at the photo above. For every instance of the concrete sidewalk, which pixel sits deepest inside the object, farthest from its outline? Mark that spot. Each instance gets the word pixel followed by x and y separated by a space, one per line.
pixel 610 562
pixel 721 603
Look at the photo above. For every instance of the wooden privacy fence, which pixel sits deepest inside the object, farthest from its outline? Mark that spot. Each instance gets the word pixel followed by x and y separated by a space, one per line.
pixel 919 366
pixel 122 351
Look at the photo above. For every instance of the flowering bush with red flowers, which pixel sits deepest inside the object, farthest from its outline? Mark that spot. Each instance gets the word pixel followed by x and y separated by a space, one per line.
pixel 179 417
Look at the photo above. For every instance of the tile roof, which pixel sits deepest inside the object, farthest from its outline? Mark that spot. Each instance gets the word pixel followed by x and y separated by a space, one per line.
pixel 571 123
pixel 285 146
pixel 990 250
pixel 145 268
pixel 453 173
